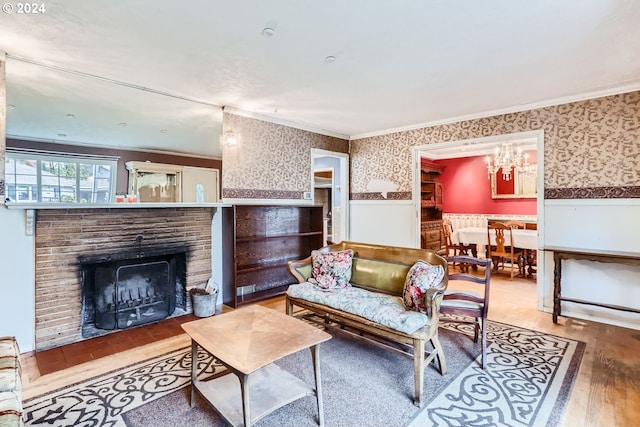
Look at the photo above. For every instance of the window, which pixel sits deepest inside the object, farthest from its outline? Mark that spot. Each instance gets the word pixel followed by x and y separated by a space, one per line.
pixel 59 178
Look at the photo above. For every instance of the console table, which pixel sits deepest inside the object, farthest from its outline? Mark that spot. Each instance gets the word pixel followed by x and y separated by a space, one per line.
pixel 627 258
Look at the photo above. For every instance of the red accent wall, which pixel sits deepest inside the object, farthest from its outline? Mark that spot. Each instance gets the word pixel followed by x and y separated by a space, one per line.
pixel 467 189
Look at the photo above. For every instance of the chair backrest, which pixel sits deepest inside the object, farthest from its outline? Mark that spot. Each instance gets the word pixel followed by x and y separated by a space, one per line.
pixel 486 280
pixel 515 224
pixel 503 238
pixel 447 231
pixel 376 267
pixel 468 307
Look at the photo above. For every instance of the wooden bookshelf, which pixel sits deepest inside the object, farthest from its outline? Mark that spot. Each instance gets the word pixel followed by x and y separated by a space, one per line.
pixel 264 238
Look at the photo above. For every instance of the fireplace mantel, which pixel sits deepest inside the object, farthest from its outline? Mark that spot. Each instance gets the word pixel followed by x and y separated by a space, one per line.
pixel 35 206
pixel 30 208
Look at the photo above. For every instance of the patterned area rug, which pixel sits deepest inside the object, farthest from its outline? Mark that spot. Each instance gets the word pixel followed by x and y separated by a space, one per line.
pixel 527 383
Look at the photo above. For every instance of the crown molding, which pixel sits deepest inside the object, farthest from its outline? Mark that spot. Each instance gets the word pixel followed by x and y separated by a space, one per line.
pixel 270 119
pixel 618 90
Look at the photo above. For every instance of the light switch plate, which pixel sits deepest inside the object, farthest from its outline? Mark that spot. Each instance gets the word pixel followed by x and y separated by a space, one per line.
pixel 306 195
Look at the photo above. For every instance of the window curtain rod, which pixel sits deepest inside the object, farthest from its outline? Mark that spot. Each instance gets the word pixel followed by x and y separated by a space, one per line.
pixel 111 81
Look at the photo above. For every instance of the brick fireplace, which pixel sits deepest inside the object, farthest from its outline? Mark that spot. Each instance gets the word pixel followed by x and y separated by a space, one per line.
pixel 64 237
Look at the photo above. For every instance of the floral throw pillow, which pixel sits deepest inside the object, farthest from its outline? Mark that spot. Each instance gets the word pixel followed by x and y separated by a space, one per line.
pixel 421 276
pixel 331 270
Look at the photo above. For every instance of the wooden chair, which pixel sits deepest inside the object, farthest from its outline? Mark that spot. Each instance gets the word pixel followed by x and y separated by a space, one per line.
pixel 522 261
pixel 502 250
pixel 474 306
pixel 515 224
pixel 450 248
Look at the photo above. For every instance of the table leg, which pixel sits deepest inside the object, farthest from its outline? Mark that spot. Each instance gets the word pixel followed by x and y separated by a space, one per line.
pixel 244 390
pixel 531 258
pixel 315 356
pixel 194 371
pixel 557 272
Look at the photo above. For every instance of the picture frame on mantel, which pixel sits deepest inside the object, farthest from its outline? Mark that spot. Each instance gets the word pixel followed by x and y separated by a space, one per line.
pixel 520 186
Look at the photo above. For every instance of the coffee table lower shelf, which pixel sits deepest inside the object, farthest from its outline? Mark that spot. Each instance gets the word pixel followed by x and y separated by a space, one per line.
pixel 270 388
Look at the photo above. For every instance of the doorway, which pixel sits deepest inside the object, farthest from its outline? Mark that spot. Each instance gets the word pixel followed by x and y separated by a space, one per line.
pixel 323 195
pixel 330 188
pixel 482 147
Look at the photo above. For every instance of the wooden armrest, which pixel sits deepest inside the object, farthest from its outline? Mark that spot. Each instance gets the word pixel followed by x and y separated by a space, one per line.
pixel 296 267
pixel 432 299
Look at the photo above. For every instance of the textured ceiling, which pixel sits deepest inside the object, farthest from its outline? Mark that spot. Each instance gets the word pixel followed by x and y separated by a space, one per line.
pixel 399 64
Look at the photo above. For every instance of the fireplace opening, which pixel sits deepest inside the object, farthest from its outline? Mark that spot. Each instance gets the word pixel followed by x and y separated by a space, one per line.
pixel 125 290
pixel 139 293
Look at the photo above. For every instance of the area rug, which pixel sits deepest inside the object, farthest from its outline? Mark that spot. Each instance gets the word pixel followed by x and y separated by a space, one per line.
pixel 527 383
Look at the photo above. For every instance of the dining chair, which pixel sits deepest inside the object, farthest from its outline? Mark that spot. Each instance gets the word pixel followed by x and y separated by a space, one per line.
pixel 451 248
pixel 502 250
pixel 515 224
pixel 522 261
pixel 469 306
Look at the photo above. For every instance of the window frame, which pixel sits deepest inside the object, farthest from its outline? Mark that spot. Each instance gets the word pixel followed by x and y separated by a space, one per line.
pixel 77 159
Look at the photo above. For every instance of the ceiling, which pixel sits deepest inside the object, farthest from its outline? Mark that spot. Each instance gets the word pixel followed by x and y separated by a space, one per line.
pixel 155 75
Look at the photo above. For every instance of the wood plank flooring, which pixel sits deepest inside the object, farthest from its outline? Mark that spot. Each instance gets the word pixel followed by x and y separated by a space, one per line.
pixel 606 392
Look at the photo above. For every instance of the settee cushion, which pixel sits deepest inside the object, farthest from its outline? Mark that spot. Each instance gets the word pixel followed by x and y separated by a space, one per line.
pixel 421 276
pixel 9 353
pixel 9 365
pixel 10 409
pixel 379 275
pixel 387 310
pixel 10 384
pixel 331 269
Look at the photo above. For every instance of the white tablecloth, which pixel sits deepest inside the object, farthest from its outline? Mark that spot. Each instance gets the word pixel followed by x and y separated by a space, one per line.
pixel 525 239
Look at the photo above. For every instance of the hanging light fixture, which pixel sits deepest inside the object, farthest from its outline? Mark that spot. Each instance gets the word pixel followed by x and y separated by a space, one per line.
pixel 507 159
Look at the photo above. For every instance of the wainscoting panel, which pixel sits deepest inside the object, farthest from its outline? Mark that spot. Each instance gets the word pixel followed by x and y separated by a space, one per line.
pixel 594 224
pixel 384 222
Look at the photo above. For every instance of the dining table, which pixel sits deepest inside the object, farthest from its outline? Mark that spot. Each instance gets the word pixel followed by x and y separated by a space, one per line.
pixel 523 239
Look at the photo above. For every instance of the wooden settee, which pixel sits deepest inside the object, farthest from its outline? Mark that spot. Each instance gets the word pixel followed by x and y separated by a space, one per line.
pixel 381 270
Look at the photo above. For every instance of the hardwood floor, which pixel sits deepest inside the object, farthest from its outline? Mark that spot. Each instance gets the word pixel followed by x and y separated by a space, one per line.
pixel 606 392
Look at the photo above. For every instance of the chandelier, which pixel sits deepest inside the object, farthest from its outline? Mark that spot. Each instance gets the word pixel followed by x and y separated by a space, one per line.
pixel 507 159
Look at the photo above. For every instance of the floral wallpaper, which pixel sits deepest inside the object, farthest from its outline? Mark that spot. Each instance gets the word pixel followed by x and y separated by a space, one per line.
pixel 270 161
pixel 592 148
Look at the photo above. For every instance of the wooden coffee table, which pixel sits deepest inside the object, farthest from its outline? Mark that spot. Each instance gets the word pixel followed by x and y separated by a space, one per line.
pixel 247 341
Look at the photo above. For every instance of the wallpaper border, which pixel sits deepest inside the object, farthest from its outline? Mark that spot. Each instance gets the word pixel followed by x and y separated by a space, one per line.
pixel 392 195
pixel 629 192
pixel 239 193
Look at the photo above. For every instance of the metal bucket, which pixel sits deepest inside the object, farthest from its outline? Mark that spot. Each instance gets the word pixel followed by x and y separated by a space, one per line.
pixel 204 305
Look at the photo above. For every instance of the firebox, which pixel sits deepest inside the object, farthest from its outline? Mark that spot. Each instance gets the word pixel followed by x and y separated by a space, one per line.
pixel 125 290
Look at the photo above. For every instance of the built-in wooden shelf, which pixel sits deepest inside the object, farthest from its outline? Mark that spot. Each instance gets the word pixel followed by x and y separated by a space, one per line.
pixel 264 238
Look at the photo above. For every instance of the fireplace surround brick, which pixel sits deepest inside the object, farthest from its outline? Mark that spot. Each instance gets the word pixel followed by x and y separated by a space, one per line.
pixel 62 235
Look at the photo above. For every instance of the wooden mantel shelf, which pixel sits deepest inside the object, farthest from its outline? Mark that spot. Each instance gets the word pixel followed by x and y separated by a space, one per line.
pixel 36 206
pixel 31 208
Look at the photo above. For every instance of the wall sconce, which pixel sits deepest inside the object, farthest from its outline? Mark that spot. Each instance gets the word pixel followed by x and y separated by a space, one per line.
pixel 229 138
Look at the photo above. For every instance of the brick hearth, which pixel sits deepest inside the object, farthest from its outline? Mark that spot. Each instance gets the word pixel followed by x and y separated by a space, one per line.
pixel 62 235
